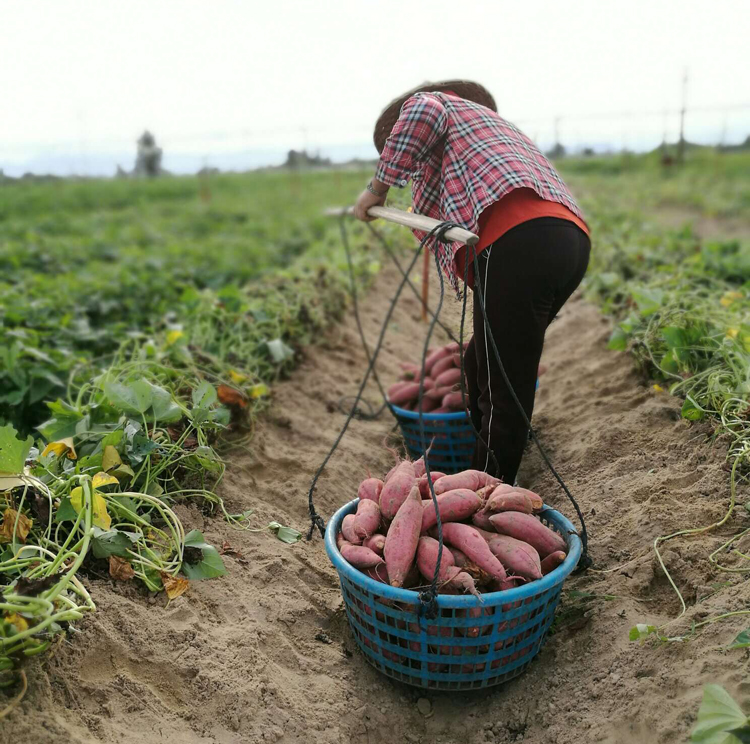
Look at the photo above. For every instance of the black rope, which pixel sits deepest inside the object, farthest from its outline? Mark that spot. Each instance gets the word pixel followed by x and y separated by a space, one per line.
pixel 585 560
pixel 372 414
pixel 412 286
pixel 315 519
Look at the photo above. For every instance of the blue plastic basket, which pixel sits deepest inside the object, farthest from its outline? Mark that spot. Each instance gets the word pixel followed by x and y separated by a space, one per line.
pixel 453 446
pixel 437 654
pixel 454 442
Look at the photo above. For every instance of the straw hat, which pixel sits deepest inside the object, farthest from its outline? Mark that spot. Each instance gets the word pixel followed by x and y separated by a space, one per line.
pixel 462 88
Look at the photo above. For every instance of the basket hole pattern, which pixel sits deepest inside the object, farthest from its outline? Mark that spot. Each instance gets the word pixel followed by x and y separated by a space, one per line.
pixel 453 441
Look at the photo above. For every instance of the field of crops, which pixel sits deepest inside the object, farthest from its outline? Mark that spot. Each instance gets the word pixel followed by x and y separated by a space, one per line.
pixel 147 328
pixel 143 327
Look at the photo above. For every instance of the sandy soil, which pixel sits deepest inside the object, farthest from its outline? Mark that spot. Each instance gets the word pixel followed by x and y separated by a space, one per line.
pixel 264 654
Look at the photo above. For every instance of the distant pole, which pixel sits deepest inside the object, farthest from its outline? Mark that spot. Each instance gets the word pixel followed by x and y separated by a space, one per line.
pixel 681 143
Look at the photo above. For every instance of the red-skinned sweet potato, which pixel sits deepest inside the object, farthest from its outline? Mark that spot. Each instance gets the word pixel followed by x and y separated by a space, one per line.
pixel 528 529
pixel 396 489
pixel 367 519
pixel 453 506
pixel 518 557
pixel 424 488
pixel 403 537
pixel 347 530
pixel 450 377
pixel 471 479
pixel 473 545
pixel 404 394
pixel 376 543
pixel 360 556
pixel 453 400
pixel 552 561
pixel 442 365
pixel 370 488
pixel 427 552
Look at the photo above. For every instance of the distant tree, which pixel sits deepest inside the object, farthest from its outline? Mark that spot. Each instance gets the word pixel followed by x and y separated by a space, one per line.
pixel 558 151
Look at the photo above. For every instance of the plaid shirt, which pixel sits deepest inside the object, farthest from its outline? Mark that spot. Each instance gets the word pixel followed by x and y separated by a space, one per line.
pixel 461 158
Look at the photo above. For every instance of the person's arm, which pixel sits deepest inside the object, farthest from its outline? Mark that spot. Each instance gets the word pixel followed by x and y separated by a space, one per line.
pixel 420 125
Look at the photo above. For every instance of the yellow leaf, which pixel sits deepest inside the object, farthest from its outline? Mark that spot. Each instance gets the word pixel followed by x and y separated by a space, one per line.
pixel 61 447
pixel 658 388
pixel 237 377
pixel 174 586
pixel 14 523
pixel 110 458
pixel 730 297
pixel 103 479
pixel 732 332
pixel 174 336
pixel 101 516
pixel 18 622
pixel 259 390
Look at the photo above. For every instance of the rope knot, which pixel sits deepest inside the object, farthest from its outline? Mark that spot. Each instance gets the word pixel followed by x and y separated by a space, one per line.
pixel 428 602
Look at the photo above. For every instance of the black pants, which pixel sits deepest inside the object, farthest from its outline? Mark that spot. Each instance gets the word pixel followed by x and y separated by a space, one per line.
pixel 527 275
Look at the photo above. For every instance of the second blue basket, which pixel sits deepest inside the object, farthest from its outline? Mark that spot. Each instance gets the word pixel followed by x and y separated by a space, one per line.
pixel 454 438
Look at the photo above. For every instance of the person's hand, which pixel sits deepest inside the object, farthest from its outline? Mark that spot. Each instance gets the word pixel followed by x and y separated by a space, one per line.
pixel 366 200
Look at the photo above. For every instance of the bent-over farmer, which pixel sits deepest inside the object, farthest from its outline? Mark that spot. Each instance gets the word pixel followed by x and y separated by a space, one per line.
pixel 470 166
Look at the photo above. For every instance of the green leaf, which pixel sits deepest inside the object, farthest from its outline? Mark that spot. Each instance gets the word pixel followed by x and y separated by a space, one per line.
pixel 163 406
pixel 111 542
pixel 641 631
pixel 717 716
pixel 13 451
pixel 209 566
pixel 204 395
pixel 618 341
pixel 691 410
pixel 65 512
pixel 285 534
pixel 133 398
pixel 279 351
pixel 648 300
pixel 208 459
pixel 742 640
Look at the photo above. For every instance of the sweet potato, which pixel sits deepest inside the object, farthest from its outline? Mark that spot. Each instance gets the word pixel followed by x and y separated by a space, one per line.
pixel 427 553
pixel 360 556
pixel 471 479
pixel 464 582
pixel 482 520
pixel 396 489
pixel 424 488
pixel 536 500
pixel 470 542
pixel 419 468
pixel 408 391
pixel 529 529
pixel 347 530
pixel 403 536
pixel 453 400
pixel 370 488
pixel 340 540
pixel 453 506
pixel 509 501
pixel 436 355
pixel 438 393
pixel 377 573
pixel 518 557
pixel 450 377
pixel 428 405
pixel 367 519
pixel 442 409
pixel 442 365
pixel 376 543
pixel 411 371
pixel 552 561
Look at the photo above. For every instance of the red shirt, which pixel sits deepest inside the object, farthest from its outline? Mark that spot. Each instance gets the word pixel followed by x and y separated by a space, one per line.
pixel 519 206
pixel 463 157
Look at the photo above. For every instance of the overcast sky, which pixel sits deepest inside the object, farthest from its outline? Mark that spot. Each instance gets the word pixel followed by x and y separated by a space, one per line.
pixel 237 82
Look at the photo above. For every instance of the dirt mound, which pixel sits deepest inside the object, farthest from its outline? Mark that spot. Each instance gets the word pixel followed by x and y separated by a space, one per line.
pixel 264 654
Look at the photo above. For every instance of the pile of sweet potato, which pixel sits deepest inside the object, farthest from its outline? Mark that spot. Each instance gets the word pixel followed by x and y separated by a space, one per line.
pixel 442 382
pixel 492 539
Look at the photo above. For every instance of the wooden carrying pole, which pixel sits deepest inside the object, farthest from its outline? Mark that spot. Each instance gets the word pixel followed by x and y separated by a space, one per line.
pixel 414 221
